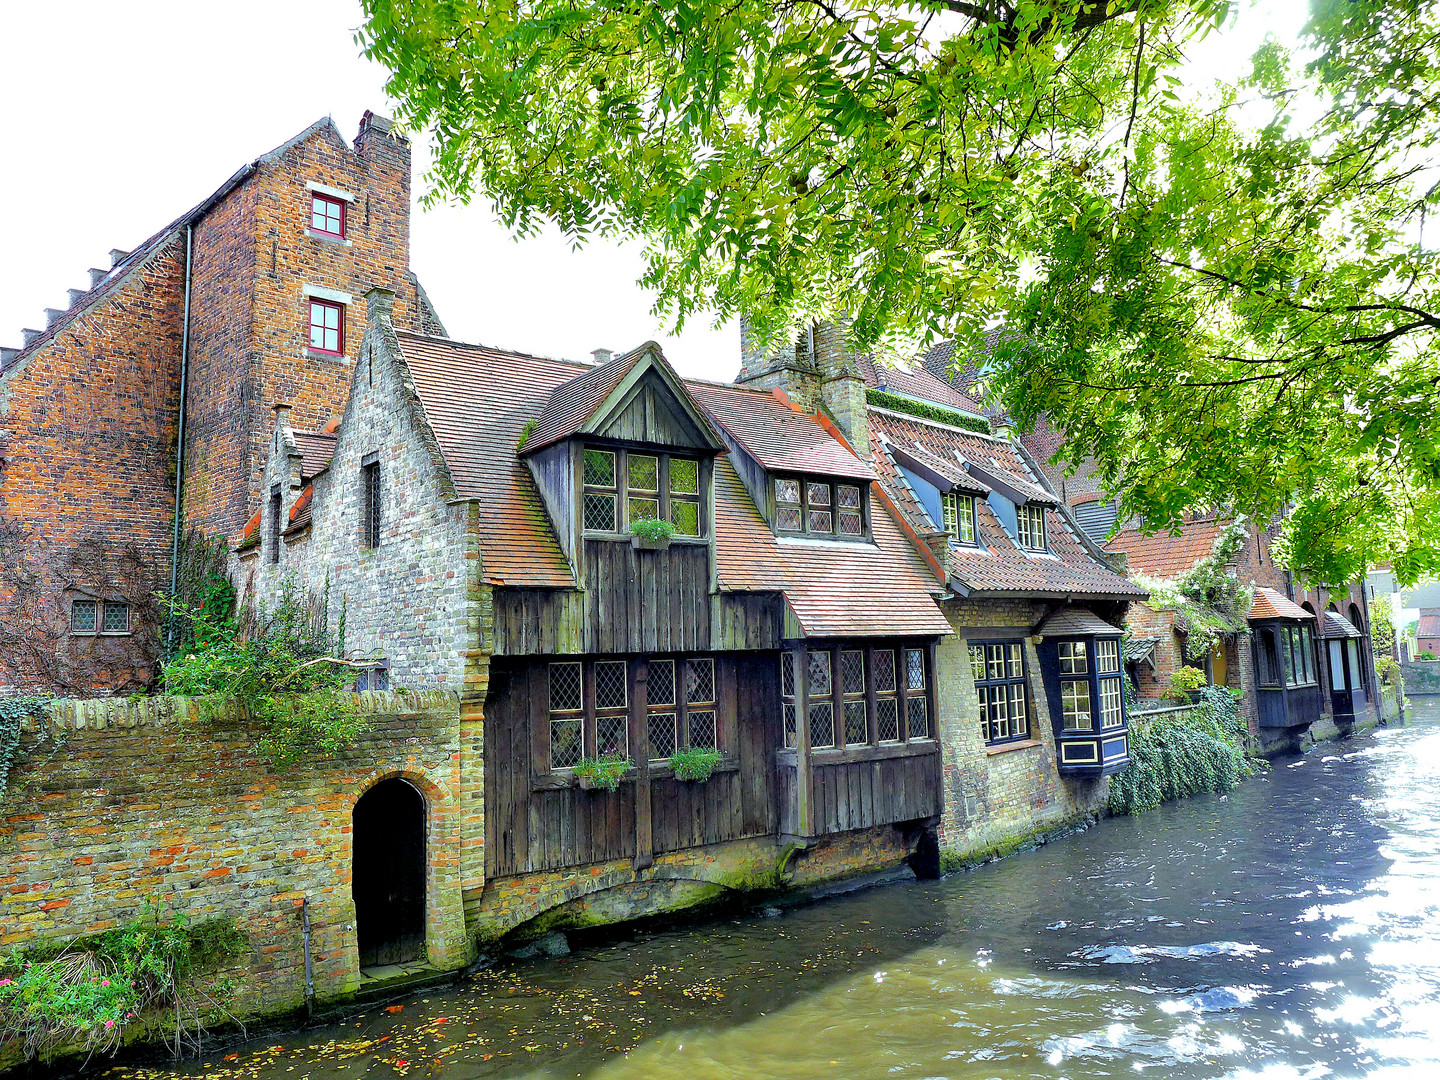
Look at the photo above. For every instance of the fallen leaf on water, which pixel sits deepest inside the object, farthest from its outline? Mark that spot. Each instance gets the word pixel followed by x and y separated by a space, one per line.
pixel 393 1008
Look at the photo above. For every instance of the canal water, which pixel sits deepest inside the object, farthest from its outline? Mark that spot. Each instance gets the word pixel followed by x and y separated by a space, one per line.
pixel 1288 931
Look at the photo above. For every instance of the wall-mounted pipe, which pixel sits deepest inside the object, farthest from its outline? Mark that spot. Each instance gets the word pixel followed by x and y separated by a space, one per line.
pixel 180 435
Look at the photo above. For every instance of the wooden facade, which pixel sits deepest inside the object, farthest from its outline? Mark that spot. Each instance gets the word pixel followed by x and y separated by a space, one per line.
pixel 1288 692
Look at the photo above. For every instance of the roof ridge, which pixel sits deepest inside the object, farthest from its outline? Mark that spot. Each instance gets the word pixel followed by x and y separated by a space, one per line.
pixel 585 365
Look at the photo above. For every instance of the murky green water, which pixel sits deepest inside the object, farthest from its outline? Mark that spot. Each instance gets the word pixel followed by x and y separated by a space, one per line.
pixel 1289 931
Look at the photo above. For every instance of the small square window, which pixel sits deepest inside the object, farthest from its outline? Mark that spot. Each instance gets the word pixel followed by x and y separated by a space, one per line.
pixel 82 616
pixel 117 618
pixel 327 327
pixel 327 215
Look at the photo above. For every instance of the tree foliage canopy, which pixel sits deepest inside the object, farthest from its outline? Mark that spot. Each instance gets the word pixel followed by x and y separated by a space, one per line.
pixel 1224 296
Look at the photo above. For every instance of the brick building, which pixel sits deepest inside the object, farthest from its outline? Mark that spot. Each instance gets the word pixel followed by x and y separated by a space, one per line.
pixel 245 299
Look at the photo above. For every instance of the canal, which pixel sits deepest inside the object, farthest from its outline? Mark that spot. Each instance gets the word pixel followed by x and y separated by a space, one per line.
pixel 1288 931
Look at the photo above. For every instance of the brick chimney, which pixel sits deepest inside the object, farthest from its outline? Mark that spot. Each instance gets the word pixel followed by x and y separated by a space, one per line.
pixel 817 370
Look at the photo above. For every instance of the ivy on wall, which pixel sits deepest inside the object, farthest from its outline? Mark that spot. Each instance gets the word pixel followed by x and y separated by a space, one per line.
pixel 13 712
pixel 1209 601
pixel 926 411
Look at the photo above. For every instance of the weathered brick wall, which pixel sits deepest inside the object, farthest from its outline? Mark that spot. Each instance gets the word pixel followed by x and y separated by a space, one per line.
pixel 87 473
pixel 250 299
pixel 125 803
pixel 995 796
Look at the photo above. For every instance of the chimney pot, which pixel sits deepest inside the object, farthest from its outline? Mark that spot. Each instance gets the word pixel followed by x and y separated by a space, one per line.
pixel 53 315
pixel 117 256
pixel 602 356
pixel 30 335
pixel 76 294
pixel 97 276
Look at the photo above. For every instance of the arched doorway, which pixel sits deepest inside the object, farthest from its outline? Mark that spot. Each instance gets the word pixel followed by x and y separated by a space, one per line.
pixel 388 883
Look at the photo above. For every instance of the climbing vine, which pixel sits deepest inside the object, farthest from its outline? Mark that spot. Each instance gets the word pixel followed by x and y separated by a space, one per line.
pixel 1175 755
pixel 280 666
pixel 1210 603
pixel 13 712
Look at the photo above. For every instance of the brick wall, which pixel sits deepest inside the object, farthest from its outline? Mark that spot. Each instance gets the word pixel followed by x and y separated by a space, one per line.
pixel 998 795
pixel 87 449
pixel 125 803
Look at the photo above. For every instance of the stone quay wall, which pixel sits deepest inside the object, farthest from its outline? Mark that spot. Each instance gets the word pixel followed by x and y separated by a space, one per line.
pixel 116 804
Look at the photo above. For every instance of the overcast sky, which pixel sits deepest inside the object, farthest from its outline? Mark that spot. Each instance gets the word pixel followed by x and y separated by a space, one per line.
pixel 119 116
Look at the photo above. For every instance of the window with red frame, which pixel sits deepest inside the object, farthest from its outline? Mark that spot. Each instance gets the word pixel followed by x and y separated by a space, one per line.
pixel 327 215
pixel 327 327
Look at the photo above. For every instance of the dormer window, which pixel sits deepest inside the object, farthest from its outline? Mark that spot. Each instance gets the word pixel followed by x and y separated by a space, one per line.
pixel 959 513
pixel 810 506
pixel 1030 526
pixel 622 487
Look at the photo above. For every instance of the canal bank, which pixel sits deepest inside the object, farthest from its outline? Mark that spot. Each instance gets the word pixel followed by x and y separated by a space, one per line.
pixel 1286 930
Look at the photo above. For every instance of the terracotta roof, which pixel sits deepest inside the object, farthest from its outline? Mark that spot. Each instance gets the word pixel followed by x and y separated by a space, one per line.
pixel 832 587
pixel 1072 620
pixel 917 382
pixel 316 450
pixel 999 566
pixel 951 471
pixel 775 435
pixel 990 469
pixel 1166 556
pixel 300 512
pixel 477 399
pixel 1270 604
pixel 1337 626
pixel 250 535
pixel 1429 624
pixel 575 400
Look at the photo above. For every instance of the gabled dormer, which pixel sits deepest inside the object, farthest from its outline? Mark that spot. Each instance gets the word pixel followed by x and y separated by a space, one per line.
pixel 620 444
pixel 1019 505
pixel 945 488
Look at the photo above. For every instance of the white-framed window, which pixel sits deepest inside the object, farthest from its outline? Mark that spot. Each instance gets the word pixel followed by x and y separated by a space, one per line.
pixel 1075 705
pixel 959 513
pixel 1112 712
pixel 1030 526
pixel 1107 656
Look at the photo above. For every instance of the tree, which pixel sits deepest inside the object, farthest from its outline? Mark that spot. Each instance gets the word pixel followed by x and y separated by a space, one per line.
pixel 1220 304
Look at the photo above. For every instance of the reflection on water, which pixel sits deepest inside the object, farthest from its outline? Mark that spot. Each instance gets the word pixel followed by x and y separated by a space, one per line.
pixel 1286 932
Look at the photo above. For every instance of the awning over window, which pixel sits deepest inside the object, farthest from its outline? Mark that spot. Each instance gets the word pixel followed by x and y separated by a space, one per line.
pixel 1337 626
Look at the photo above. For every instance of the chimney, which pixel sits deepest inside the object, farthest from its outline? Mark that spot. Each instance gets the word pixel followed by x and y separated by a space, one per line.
pixel 380 307
pixel 842 389
pixel 789 366
pixel 378 141
pixel 97 276
pixel 117 257
pixel 602 356
pixel 282 415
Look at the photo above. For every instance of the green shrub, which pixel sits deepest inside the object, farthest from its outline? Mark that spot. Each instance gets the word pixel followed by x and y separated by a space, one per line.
pixel 605 771
pixel 1173 756
pixel 85 993
pixel 280 666
pixel 652 529
pixel 694 763
pixel 1427 655
pixel 1182 681
pixel 927 411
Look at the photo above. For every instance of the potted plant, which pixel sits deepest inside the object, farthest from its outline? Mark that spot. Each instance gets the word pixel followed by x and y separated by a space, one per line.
pixel 694 764
pixel 651 534
pixel 602 773
pixel 1185 684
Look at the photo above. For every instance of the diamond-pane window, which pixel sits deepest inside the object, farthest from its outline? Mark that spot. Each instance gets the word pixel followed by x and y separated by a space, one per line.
pixel 819 674
pixel 918 718
pixel 117 618
pixel 644 472
pixel 610 684
pixel 856 733
pixel 664 740
pixel 599 512
pixel 820 521
pixel 787 491
pixel 787 519
pixel 565 692
pixel 644 509
pixel 702 730
pixel 599 468
pixel 789 709
pixel 661 689
pixel 818 494
pixel 822 724
pixel 887 719
pixel 82 616
pixel 915 669
pixel 884 671
pixel 787 505
pixel 612 736
pixel 851 523
pixel 848 497
pixel 685 516
pixel 684 476
pixel 852 671
pixel 787 674
pixel 700 683
pixel 566 744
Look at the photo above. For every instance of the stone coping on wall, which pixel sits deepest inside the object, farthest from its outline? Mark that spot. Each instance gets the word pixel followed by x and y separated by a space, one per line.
pixel 97 714
pixel 1164 710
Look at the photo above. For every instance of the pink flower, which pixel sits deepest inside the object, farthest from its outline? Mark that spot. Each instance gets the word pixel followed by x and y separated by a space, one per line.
pixel 109 1023
pixel 104 982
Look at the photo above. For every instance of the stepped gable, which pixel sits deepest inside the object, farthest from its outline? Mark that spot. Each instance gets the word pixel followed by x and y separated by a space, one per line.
pixel 999 566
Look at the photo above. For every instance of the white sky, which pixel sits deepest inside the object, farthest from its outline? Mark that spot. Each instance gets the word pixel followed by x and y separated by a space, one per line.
pixel 119 116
